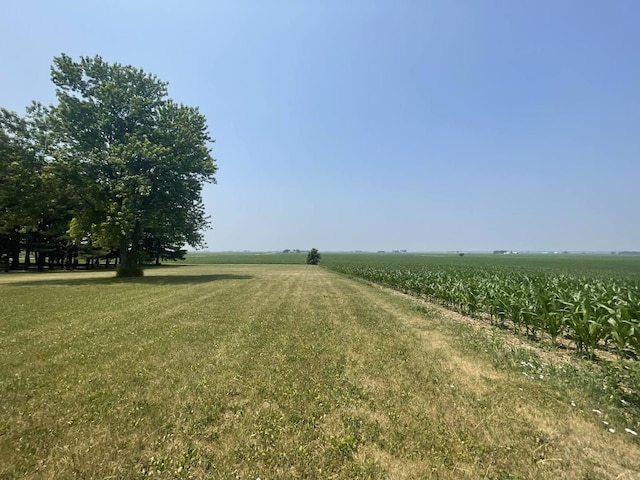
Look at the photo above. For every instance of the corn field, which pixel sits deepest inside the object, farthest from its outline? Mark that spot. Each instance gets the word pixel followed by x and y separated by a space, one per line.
pixel 593 311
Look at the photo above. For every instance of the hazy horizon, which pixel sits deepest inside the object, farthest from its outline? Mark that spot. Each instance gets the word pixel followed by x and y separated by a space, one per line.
pixel 440 252
pixel 464 125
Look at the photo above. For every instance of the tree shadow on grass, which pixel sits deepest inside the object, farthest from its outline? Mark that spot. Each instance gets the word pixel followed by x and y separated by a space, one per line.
pixel 113 280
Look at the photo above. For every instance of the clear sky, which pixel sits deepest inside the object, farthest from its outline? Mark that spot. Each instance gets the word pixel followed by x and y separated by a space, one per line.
pixel 379 125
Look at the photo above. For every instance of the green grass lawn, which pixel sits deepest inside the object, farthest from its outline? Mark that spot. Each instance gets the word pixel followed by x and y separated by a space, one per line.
pixel 274 371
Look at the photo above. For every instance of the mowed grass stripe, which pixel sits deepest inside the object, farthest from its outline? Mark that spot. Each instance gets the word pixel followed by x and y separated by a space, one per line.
pixel 270 371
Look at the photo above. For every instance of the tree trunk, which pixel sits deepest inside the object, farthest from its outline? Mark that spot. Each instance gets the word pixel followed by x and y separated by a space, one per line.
pixel 40 260
pixel 27 258
pixel 129 259
pixel 15 259
pixel 15 248
pixel 69 258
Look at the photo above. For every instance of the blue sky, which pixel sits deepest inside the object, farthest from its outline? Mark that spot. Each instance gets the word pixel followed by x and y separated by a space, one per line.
pixel 379 125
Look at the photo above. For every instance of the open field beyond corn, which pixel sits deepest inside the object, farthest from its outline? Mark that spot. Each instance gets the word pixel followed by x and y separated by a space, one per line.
pixel 274 371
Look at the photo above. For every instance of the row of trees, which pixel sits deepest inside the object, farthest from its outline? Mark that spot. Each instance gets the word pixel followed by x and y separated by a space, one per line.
pixel 113 171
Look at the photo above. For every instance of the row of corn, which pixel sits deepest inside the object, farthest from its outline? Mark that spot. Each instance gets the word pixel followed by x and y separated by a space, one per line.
pixel 592 311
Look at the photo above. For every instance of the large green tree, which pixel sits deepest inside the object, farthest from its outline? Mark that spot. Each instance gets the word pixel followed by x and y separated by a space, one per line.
pixel 137 160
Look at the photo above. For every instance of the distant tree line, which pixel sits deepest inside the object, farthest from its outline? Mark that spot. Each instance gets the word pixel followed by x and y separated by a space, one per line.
pixel 110 175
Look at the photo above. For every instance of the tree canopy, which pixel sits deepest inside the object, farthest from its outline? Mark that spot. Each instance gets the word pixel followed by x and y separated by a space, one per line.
pixel 134 159
pixel 313 257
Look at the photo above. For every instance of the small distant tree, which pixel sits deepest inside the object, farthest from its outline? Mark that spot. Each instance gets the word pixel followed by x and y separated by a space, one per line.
pixel 313 257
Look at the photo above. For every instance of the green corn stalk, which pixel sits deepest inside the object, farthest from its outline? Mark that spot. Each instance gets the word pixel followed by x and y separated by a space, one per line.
pixel 591 308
